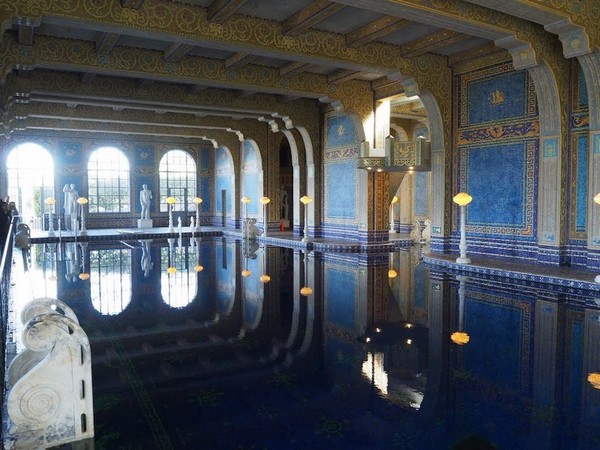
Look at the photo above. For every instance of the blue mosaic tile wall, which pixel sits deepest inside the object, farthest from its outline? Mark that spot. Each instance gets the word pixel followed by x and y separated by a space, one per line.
pixel 250 177
pixel 340 178
pixel 223 180
pixel 496 159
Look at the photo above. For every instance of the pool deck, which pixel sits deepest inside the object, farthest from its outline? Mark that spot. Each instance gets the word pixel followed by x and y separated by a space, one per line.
pixel 575 278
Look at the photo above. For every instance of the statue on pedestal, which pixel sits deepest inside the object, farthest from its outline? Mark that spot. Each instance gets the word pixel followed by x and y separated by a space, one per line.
pixel 145 197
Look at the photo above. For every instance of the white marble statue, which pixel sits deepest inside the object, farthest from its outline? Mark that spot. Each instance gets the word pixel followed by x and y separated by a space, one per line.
pixel 145 197
pixel 70 199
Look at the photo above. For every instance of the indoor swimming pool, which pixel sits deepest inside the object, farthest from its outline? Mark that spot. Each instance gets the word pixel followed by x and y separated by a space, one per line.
pixel 215 343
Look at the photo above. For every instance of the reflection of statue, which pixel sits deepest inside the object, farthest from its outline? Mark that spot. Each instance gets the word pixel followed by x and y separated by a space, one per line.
pixel 250 229
pixel 146 262
pixel 145 197
pixel 70 199
pixel 284 203
pixel 71 262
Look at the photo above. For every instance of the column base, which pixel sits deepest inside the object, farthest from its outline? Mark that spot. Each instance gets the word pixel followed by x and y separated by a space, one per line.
pixel 463 260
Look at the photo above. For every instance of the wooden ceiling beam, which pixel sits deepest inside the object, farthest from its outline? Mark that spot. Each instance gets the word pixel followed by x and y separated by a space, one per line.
pixel 238 60
pixel 87 77
pixel 473 53
pixel 341 76
pixel 309 16
pixel 293 68
pixel 221 10
pixel 133 4
pixel 431 42
pixel 375 30
pixel 176 51
pixel 106 42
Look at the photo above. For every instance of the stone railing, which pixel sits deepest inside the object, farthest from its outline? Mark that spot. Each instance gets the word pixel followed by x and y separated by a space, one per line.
pixel 50 401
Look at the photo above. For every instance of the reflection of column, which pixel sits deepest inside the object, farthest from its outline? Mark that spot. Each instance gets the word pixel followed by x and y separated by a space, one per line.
pixel 590 395
pixel 438 345
pixel 545 362
pixel 392 221
pixel 264 201
pixel 461 337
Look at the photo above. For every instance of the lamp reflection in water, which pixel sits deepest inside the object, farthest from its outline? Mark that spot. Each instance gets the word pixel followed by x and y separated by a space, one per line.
pixel 82 201
pixel 462 199
pixel 392 224
pixel 597 201
pixel 306 290
pixel 264 278
pixel 246 254
pixel 245 200
pixel 198 267
pixel 306 200
pixel 171 269
pixel 197 201
pixel 170 202
pixel 264 201
pixel 460 337
pixel 50 202
pixel 83 275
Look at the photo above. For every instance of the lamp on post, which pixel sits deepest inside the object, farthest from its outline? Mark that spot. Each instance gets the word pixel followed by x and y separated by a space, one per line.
pixel 170 201
pixel 82 201
pixel 392 225
pixel 264 201
pixel 245 201
pixel 306 200
pixel 462 199
pixel 50 202
pixel 197 201
pixel 597 201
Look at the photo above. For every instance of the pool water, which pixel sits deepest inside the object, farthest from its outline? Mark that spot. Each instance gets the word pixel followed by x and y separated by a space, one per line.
pixel 219 344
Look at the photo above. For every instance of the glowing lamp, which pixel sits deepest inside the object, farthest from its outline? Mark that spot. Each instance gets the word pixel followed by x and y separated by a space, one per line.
pixel 246 273
pixel 171 270
pixel 462 199
pixel 198 268
pixel 265 278
pixel 392 273
pixel 84 276
pixel 460 338
pixel 306 291
pixel 594 378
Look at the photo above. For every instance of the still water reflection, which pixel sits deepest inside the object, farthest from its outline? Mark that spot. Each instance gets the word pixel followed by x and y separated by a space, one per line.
pixel 213 343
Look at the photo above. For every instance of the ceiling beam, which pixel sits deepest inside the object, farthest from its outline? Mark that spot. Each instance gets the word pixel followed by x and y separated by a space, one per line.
pixel 26 33
pixel 197 88
pixel 176 51
pixel 473 53
pixel 309 16
pixel 145 83
pixel 106 42
pixel 238 60
pixel 221 10
pixel 293 68
pixel 375 30
pixel 431 42
pixel 341 76
pixel 87 77
pixel 133 4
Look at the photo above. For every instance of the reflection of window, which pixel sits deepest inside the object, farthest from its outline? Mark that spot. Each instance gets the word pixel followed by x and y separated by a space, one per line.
pixel 30 176
pixel 179 286
pixel 110 279
pixel 177 176
pixel 108 181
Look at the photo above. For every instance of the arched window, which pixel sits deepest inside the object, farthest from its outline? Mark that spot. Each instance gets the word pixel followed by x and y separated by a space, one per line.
pixel 108 181
pixel 177 175
pixel 30 176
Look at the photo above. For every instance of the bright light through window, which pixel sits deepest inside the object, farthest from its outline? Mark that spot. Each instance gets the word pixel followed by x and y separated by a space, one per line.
pixel 177 173
pixel 30 176
pixel 108 181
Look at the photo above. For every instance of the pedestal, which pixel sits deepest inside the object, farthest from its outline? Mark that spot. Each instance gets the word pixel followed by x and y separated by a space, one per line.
pixel 144 223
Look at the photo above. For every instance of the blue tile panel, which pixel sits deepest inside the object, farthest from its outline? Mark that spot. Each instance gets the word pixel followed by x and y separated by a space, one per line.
pixel 582 183
pixel 341 190
pixel 340 132
pixel 340 302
